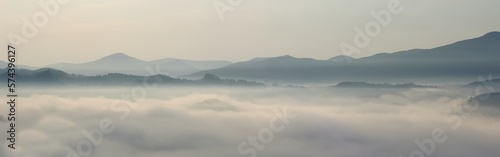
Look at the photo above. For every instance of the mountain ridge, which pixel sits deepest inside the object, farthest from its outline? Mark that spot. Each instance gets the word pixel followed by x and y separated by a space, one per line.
pixel 461 61
pixel 55 77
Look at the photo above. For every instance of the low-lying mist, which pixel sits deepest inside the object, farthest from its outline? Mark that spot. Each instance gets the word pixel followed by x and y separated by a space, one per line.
pixel 246 122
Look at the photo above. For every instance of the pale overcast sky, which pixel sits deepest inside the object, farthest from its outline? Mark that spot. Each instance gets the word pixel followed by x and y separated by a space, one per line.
pixel 84 30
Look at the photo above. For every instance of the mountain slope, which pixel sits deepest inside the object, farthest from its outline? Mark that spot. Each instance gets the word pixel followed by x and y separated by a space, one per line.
pixel 115 63
pixel 341 58
pixel 462 61
pixel 487 99
pixel 273 68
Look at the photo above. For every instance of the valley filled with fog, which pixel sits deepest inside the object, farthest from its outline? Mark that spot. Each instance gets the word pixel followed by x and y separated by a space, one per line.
pixel 236 78
pixel 213 121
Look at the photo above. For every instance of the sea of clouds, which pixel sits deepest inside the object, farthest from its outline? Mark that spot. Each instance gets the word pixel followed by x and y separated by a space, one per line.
pixel 284 122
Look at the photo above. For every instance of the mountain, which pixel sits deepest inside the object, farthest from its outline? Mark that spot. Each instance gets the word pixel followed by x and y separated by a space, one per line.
pixel 46 76
pixel 278 68
pixel 488 82
pixel 488 104
pixel 122 63
pixel 115 63
pixel 54 77
pixel 487 99
pixel 460 62
pixel 341 58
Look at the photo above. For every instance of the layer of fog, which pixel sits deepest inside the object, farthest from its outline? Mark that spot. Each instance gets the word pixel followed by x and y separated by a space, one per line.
pixel 213 122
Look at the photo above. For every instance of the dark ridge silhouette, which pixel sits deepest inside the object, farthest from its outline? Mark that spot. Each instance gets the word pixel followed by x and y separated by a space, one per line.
pixel 487 100
pixel 494 83
pixel 487 104
pixel 380 85
pixel 215 80
pixel 54 77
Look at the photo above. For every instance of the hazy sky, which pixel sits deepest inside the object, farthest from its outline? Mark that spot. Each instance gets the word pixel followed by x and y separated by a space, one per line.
pixel 150 29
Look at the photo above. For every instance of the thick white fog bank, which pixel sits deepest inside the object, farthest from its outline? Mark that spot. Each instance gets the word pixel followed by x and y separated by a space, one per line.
pixel 225 122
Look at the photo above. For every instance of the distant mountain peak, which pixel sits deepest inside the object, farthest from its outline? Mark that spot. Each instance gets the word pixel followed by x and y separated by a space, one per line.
pixel 119 54
pixel 285 57
pixel 118 57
